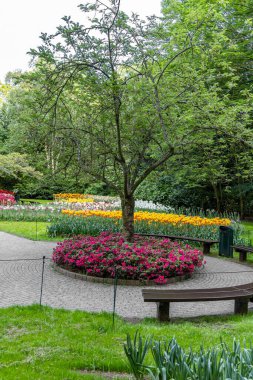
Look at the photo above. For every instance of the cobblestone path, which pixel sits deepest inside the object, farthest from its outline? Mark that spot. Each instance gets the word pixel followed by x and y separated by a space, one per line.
pixel 20 284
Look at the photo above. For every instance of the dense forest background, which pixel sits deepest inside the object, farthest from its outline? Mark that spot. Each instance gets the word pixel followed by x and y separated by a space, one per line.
pixel 205 96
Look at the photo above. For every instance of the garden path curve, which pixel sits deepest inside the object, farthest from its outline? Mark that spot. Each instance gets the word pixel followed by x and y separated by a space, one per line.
pixel 20 283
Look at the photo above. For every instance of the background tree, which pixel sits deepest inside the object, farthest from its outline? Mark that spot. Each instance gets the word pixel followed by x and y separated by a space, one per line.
pixel 14 169
pixel 223 33
pixel 118 69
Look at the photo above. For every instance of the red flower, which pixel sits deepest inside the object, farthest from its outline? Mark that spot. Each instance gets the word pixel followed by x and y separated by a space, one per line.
pixel 145 258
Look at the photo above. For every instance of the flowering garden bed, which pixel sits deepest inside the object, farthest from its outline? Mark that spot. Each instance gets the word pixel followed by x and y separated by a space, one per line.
pixel 7 198
pixel 146 259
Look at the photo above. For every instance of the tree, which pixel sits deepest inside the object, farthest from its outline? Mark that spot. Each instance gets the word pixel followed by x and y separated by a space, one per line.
pixel 123 133
pixel 137 95
pixel 27 131
pixel 223 30
pixel 14 169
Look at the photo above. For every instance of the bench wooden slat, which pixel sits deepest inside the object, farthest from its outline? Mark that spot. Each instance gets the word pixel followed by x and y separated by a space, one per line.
pixel 198 297
pixel 243 248
pixel 156 291
pixel 193 295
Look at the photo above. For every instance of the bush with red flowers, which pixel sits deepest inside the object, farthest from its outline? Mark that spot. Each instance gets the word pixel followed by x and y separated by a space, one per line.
pixel 7 197
pixel 147 258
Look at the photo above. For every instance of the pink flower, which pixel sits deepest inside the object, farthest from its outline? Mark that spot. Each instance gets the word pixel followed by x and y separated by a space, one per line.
pixel 160 280
pixel 145 258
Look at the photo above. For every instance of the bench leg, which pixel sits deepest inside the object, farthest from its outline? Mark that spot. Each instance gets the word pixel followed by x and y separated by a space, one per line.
pixel 163 311
pixel 242 256
pixel 241 306
pixel 206 248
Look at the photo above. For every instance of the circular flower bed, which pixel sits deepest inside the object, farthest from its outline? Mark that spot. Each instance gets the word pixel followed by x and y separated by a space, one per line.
pixel 147 258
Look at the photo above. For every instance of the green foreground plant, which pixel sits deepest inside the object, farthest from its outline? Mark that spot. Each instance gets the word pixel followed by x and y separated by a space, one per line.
pixel 171 361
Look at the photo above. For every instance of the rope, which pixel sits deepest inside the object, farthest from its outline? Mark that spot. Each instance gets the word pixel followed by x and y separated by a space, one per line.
pixel 8 260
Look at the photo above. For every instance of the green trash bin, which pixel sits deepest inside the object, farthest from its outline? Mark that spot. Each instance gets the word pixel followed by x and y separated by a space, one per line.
pixel 226 241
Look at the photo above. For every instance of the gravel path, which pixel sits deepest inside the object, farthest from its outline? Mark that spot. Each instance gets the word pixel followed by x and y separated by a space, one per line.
pixel 20 284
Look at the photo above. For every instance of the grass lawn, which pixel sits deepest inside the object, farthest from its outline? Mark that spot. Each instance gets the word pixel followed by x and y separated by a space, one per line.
pixel 41 201
pixel 27 230
pixel 248 231
pixel 44 343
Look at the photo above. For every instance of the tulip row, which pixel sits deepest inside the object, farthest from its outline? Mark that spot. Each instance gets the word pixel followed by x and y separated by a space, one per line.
pixel 73 198
pixel 174 219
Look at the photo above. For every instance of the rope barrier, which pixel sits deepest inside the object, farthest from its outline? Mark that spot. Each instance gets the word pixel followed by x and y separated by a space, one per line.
pixel 243 271
pixel 194 273
pixel 46 258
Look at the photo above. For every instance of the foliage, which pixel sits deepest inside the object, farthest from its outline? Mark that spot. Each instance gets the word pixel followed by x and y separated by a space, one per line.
pixel 68 227
pixel 109 255
pixel 172 362
pixel 216 172
pixel 14 168
pixel 136 352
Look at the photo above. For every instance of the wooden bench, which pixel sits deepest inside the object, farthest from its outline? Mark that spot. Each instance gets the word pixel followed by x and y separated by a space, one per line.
pixel 241 294
pixel 206 242
pixel 243 250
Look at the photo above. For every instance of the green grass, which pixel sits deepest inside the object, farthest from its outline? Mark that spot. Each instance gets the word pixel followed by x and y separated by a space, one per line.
pixel 28 230
pixel 41 201
pixel 44 343
pixel 248 231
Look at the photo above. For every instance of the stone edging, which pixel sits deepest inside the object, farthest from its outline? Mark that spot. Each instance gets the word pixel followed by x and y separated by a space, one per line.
pixel 110 281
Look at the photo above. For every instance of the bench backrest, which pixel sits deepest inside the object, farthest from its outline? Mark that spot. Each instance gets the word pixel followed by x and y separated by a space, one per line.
pixel 188 295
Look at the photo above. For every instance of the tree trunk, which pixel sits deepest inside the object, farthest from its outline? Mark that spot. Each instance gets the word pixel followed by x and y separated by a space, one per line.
pixel 127 205
pixel 217 197
pixel 241 205
pixel 241 197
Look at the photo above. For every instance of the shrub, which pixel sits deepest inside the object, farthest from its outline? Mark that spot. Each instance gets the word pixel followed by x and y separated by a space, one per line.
pixel 144 259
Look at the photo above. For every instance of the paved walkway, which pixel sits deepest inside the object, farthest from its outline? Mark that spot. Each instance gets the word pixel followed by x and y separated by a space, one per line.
pixel 20 284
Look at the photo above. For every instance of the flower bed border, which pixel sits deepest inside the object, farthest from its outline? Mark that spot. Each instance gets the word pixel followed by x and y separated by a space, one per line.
pixel 120 281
